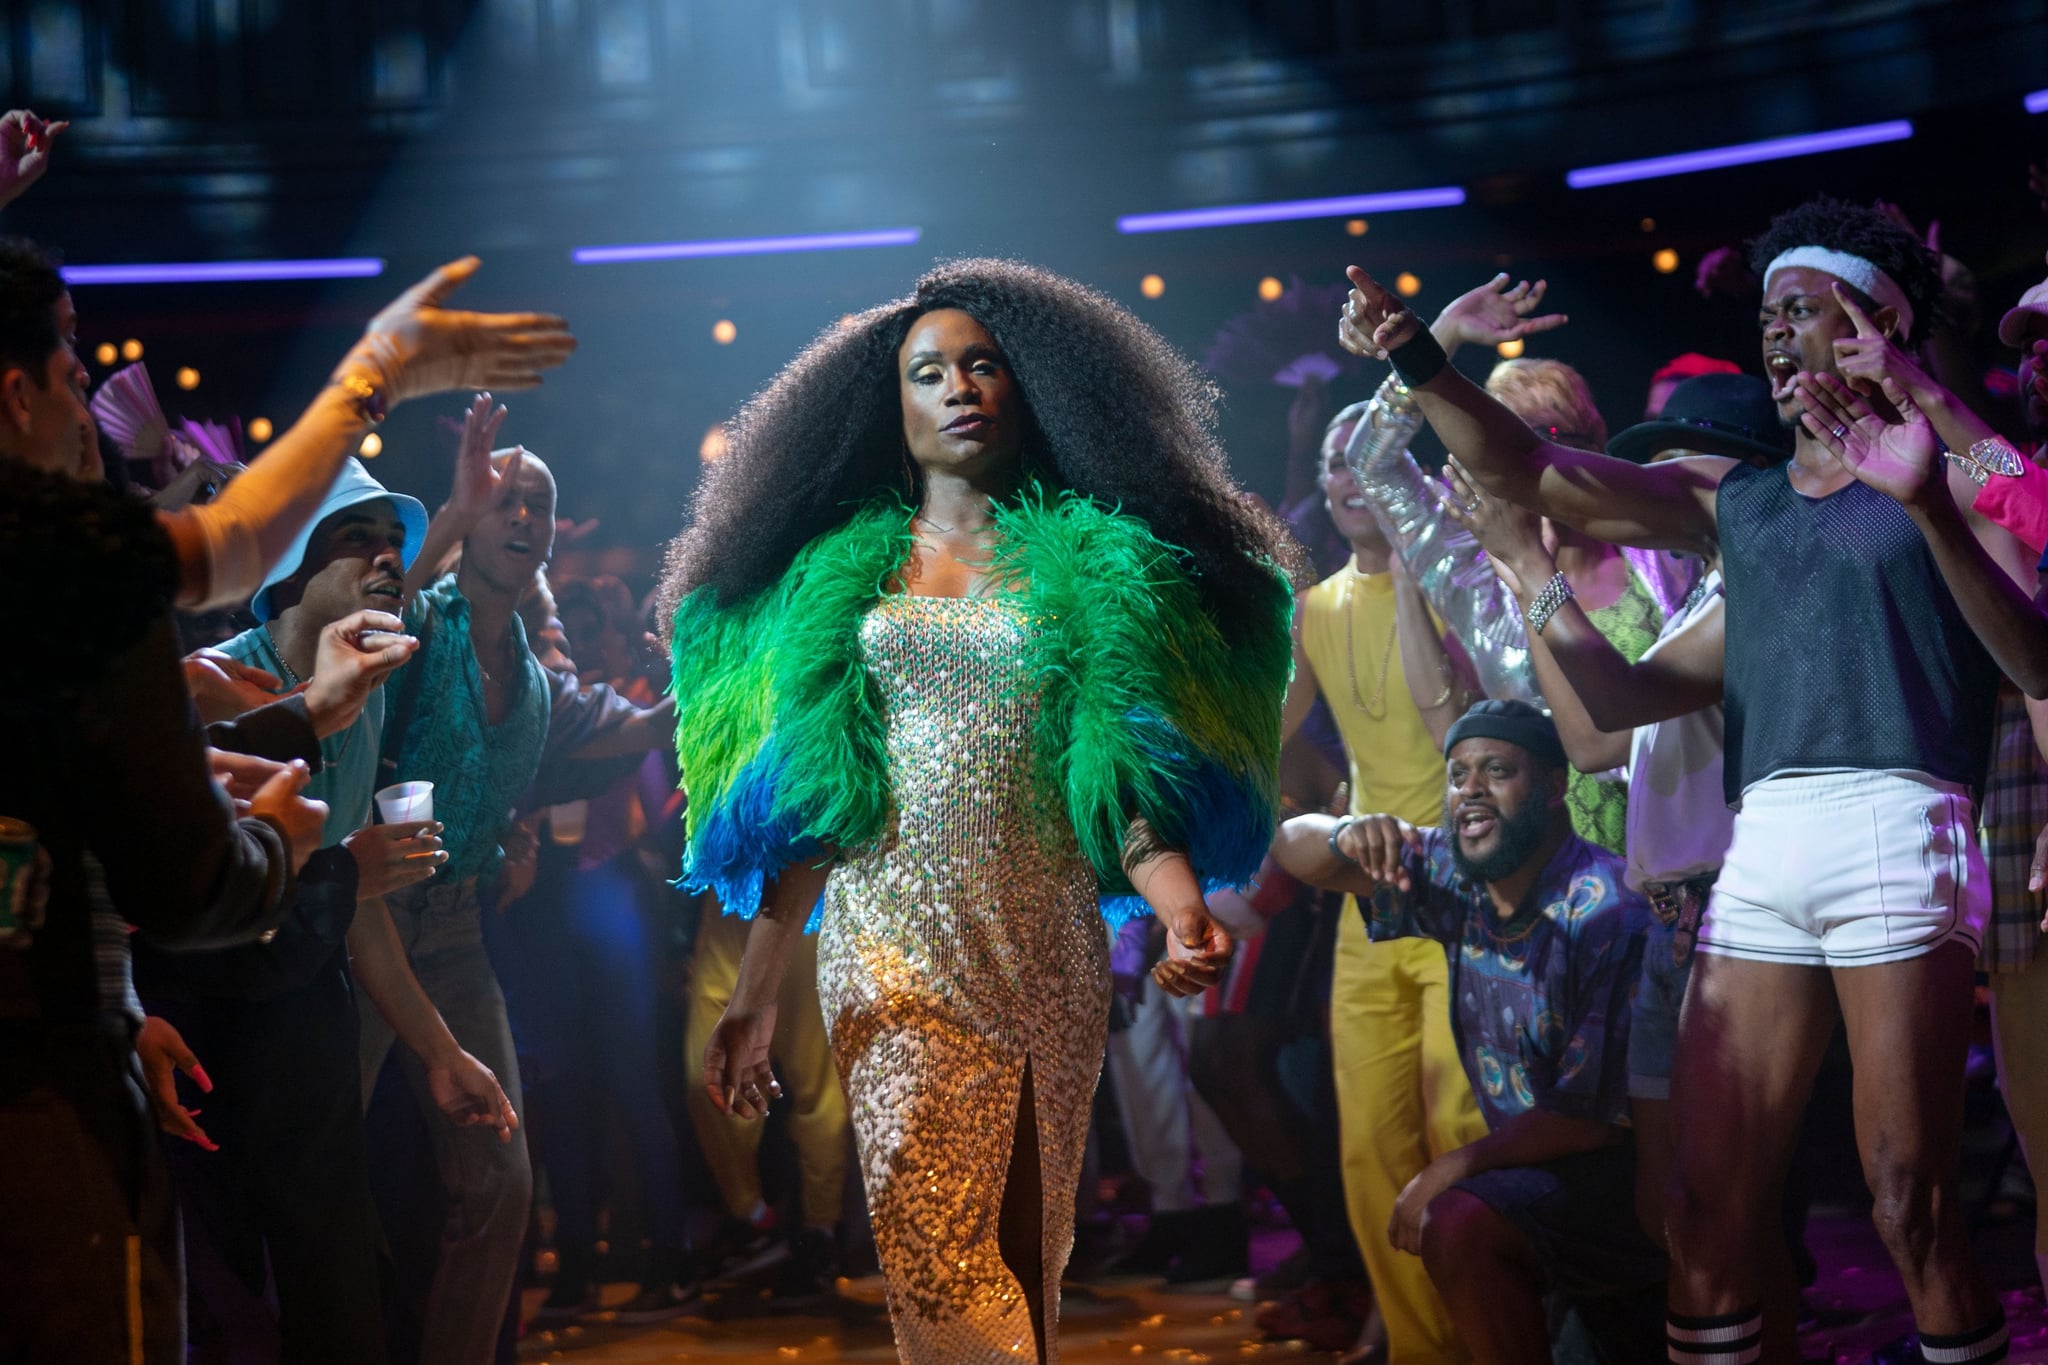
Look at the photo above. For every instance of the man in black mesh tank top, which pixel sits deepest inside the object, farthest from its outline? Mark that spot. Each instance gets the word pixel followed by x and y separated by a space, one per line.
pixel 1859 705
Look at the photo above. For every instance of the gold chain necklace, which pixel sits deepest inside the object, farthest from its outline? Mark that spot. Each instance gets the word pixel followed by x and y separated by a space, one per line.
pixel 1376 709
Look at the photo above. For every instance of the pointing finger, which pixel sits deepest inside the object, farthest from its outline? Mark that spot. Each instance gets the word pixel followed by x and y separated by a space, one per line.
pixel 1864 326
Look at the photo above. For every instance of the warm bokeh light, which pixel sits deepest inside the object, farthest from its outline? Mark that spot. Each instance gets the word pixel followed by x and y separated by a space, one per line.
pixel 1356 227
pixel 1407 284
pixel 107 354
pixel 372 446
pixel 1648 225
pixel 259 428
pixel 1510 349
pixel 713 447
pixel 1666 261
pixel 723 332
pixel 1270 288
pixel 188 378
pixel 131 349
pixel 1152 286
pixel 847 320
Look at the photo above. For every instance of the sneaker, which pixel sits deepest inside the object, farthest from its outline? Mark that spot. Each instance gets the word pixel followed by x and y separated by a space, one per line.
pixel 656 1302
pixel 812 1266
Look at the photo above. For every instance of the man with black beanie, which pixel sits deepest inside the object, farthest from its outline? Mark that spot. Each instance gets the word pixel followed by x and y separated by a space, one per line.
pixel 1544 941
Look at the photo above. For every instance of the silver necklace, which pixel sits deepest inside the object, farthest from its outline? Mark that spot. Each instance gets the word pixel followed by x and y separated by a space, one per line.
pixel 293 682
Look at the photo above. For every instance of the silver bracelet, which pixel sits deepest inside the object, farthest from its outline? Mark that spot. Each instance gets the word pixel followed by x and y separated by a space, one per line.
pixel 1554 595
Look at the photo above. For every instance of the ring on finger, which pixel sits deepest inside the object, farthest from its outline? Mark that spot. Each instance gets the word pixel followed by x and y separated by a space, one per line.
pixel 1472 506
pixel 1839 431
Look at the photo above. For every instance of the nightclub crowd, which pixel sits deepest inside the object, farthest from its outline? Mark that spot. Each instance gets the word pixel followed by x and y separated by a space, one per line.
pixel 1468 869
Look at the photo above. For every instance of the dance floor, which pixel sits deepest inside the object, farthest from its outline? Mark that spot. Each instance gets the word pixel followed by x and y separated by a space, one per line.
pixel 1856 1307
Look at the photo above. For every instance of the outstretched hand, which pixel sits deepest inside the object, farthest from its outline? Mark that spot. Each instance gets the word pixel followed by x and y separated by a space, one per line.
pixel 1511 536
pixel 479 480
pixel 418 346
pixel 1494 313
pixel 1380 844
pixel 1374 320
pixel 1901 459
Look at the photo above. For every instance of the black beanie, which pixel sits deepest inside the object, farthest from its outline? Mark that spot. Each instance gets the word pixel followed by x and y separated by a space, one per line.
pixel 1516 722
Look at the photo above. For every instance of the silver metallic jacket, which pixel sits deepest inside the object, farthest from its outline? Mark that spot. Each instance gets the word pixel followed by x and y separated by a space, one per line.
pixel 1445 560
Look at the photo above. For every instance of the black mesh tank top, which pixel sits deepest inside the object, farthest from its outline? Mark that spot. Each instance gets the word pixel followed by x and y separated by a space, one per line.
pixel 1845 648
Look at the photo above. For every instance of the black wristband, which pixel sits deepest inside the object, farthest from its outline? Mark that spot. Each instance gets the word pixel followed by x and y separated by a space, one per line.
pixel 1418 359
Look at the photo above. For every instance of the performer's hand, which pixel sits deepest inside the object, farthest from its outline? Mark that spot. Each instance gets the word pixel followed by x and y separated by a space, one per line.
pixel 1197 951
pixel 736 1068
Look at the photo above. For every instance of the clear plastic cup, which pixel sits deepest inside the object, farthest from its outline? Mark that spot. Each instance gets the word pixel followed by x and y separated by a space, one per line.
pixel 406 801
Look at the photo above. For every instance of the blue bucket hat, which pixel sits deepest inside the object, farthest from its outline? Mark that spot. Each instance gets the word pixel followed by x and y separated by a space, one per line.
pixel 353 486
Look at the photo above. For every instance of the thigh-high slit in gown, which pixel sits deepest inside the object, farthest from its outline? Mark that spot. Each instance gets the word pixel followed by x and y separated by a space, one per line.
pixel 962 946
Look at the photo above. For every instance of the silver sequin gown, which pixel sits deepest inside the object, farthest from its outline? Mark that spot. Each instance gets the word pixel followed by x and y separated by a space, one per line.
pixel 963 946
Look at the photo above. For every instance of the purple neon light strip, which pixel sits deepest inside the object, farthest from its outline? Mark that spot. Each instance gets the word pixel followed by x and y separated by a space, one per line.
pixel 2037 103
pixel 745 246
pixel 1713 158
pixel 224 272
pixel 1282 211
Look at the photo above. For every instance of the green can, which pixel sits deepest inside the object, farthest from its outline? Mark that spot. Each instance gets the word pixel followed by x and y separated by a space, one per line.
pixel 17 872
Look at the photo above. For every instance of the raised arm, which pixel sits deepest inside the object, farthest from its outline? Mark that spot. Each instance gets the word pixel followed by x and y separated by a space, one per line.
pixel 1983 565
pixel 1663 506
pixel 1596 695
pixel 1356 854
pixel 414 347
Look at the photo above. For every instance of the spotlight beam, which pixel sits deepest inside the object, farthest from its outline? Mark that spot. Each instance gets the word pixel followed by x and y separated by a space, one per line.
pixel 1743 154
pixel 1289 210
pixel 745 246
pixel 2037 103
pixel 224 272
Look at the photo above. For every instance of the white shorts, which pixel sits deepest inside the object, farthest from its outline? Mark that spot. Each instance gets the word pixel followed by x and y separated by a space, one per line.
pixel 1849 869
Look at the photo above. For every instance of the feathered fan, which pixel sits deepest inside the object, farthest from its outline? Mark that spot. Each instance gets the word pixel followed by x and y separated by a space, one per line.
pixel 128 412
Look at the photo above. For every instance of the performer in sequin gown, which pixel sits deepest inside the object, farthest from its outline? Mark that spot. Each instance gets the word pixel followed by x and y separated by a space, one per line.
pixel 961 950
pixel 975 642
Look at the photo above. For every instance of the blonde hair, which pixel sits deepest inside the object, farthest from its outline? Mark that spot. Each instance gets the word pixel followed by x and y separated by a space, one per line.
pixel 1552 397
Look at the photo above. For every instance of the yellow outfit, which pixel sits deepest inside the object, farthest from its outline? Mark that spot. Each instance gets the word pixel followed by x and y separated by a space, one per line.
pixel 1402 1095
pixel 817 1119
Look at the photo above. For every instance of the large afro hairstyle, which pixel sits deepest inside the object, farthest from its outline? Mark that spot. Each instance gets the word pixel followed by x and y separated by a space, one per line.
pixel 1116 414
pixel 1840 225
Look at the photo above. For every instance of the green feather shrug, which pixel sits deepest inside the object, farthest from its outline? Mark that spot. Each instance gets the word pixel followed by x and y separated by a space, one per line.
pixel 1145 710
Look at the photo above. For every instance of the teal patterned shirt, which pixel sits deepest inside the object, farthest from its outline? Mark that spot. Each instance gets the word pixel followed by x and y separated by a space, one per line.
pixel 478 769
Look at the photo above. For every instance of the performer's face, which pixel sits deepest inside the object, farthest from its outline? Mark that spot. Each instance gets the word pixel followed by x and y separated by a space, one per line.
pixel 963 413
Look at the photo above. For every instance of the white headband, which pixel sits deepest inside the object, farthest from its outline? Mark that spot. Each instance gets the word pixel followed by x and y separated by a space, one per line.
pixel 1850 270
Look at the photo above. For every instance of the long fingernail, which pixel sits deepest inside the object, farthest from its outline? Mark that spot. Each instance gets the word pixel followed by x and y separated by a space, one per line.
pixel 199 1075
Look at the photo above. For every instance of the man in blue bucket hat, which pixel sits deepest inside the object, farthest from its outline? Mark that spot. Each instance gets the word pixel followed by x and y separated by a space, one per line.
pixel 279 1173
